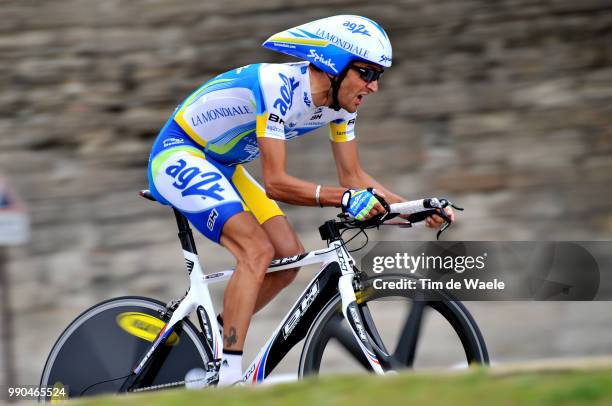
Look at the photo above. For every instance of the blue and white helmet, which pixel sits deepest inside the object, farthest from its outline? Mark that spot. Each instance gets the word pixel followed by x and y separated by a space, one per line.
pixel 332 43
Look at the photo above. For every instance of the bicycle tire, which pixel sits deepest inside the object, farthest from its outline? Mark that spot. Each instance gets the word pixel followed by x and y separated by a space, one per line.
pixel 98 350
pixel 330 325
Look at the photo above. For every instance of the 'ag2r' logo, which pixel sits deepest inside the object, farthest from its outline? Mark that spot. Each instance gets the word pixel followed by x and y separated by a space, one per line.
pixel 285 102
pixel 356 28
pixel 184 175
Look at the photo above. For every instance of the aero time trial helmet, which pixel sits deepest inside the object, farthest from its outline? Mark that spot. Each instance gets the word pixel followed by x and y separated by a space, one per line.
pixel 332 43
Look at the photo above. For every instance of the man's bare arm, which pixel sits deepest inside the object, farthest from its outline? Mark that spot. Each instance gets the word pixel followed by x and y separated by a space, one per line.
pixel 283 187
pixel 352 175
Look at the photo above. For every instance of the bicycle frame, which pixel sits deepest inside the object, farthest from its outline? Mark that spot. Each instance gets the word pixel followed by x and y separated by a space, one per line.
pixel 335 275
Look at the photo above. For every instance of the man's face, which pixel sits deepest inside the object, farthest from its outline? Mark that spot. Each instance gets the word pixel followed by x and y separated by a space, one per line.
pixel 354 88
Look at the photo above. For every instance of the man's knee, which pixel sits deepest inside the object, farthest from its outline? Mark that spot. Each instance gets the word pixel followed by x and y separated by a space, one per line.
pixel 288 247
pixel 249 244
pixel 256 258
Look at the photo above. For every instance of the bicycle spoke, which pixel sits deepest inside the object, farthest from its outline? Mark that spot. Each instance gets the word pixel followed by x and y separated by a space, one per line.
pixel 347 341
pixel 387 361
pixel 409 336
pixel 371 327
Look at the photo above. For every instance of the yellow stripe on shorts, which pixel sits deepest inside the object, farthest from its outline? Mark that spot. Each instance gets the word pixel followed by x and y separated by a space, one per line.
pixel 254 196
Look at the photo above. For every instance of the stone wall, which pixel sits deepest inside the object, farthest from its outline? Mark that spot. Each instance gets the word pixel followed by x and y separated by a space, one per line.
pixel 503 106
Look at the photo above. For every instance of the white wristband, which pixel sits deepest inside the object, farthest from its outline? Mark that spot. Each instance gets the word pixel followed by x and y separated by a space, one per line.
pixel 318 196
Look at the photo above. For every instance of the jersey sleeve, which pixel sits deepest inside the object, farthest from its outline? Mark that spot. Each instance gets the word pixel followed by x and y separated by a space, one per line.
pixel 342 129
pixel 276 88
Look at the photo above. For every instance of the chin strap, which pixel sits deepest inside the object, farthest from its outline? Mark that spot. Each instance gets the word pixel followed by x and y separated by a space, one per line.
pixel 335 85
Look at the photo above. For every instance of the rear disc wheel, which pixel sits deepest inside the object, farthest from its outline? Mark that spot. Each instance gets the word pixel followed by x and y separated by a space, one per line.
pixel 97 351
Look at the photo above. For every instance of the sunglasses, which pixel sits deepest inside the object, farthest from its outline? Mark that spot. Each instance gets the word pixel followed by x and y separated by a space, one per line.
pixel 368 74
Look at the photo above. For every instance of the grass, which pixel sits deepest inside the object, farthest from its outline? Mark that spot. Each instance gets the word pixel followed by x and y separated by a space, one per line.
pixel 475 387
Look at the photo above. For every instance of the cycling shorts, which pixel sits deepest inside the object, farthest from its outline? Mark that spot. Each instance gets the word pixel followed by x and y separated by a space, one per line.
pixel 207 192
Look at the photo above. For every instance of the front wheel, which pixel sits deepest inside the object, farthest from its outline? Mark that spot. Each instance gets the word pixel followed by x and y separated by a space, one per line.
pixel 97 351
pixel 414 334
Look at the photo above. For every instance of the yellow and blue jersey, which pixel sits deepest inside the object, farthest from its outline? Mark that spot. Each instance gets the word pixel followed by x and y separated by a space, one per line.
pixel 227 114
pixel 195 165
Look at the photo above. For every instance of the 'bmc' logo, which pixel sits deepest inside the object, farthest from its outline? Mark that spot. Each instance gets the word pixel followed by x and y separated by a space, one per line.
pixel 285 102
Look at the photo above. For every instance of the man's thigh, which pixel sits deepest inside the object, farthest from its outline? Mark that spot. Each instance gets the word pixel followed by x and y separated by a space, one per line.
pixel 254 196
pixel 198 188
pixel 245 238
pixel 268 214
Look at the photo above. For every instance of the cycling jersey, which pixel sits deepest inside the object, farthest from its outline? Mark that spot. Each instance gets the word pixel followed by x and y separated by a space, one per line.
pixel 198 153
pixel 226 114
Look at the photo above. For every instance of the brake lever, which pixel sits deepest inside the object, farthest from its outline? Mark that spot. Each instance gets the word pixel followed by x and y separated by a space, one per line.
pixel 442 213
pixel 443 203
pixel 442 229
pixel 437 208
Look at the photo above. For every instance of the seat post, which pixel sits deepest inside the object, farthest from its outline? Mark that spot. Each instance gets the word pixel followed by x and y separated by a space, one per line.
pixel 185 235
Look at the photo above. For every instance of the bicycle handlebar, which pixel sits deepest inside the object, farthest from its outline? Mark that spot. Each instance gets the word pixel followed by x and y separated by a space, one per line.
pixel 416 211
pixel 417 206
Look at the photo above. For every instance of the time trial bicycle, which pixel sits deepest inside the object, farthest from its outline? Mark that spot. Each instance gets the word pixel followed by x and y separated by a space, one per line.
pixel 134 344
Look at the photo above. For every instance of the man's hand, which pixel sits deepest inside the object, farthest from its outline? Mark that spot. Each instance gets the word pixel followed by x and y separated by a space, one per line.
pixel 436 221
pixel 361 204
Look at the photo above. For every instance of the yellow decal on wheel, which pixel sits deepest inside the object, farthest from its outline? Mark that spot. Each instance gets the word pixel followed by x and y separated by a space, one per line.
pixel 144 326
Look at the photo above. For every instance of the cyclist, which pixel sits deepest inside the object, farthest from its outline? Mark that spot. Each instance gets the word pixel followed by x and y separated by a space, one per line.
pixel 196 161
